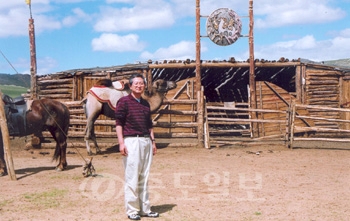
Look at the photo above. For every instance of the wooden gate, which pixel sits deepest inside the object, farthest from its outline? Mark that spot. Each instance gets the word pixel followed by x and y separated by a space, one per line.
pixel 272 97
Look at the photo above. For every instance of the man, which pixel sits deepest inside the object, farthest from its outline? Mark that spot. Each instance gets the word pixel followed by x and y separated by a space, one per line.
pixel 137 145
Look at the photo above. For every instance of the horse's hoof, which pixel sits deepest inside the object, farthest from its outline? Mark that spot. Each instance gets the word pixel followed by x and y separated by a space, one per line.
pixel 2 174
pixel 98 151
pixel 58 169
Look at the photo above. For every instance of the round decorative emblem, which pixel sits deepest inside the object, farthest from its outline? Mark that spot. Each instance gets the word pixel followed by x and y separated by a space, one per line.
pixel 224 26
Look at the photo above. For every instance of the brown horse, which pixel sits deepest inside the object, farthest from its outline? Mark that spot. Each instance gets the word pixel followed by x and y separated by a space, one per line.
pixel 95 105
pixel 45 114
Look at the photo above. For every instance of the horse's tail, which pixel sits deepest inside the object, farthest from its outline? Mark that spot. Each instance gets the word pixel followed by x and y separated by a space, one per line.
pixel 63 127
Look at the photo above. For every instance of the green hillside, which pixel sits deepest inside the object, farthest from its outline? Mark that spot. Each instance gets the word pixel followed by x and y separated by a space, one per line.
pixel 14 84
pixel 12 90
pixel 343 63
pixel 22 80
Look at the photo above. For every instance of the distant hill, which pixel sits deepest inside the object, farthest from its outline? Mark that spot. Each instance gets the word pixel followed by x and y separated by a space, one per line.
pixel 22 80
pixel 343 63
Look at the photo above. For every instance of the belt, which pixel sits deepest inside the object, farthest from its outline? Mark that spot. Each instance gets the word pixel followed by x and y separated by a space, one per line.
pixel 137 135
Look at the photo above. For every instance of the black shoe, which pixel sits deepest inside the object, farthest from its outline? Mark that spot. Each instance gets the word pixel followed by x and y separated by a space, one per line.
pixel 151 215
pixel 134 217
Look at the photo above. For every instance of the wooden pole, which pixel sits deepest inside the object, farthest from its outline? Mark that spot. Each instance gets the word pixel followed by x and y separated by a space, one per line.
pixel 198 48
pixel 148 74
pixel 291 138
pixel 33 64
pixel 200 120
pixel 6 141
pixel 200 117
pixel 252 83
pixel 206 127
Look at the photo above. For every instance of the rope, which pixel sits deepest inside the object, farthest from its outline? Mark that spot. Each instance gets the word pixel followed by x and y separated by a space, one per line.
pixel 9 62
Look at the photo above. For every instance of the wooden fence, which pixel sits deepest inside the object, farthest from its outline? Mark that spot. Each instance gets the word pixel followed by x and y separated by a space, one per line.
pixel 231 124
pixel 327 129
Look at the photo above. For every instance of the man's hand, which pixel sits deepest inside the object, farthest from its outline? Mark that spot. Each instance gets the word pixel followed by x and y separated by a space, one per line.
pixel 123 150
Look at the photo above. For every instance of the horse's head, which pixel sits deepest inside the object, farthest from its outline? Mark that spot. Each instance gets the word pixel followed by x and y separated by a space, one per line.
pixel 163 86
pixel 122 84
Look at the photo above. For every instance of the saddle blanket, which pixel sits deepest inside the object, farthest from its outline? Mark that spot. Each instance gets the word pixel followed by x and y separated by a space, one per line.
pixel 107 95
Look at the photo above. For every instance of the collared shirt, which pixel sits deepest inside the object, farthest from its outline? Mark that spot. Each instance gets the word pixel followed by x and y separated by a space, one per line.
pixel 133 116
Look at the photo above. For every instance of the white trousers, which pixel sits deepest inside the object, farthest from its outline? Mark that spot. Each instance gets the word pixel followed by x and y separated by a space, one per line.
pixel 137 166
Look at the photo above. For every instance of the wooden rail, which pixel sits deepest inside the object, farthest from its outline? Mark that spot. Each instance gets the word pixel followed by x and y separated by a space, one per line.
pixel 236 120
pixel 339 134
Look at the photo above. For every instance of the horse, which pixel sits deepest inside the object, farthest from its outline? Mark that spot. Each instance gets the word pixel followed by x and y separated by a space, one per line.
pixel 41 115
pixel 95 105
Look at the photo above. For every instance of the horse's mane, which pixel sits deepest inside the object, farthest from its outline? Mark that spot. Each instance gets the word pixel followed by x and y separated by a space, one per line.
pixel 104 82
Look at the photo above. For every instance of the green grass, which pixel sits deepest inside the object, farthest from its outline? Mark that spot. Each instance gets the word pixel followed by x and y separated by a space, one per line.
pixel 12 90
pixel 4 203
pixel 48 199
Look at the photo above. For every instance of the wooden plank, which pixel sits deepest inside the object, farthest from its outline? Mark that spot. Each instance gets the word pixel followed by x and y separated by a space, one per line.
pixel 321 139
pixel 210 119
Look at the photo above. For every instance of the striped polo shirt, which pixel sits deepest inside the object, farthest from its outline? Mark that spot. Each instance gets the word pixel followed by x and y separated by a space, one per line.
pixel 133 115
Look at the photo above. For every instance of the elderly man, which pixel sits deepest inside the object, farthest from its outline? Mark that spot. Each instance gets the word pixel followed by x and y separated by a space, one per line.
pixel 137 145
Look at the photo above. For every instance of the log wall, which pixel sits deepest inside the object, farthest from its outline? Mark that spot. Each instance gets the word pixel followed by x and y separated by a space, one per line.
pixel 322 88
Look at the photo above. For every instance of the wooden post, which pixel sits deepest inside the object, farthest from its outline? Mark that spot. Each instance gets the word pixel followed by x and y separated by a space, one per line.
pixel 291 138
pixel 252 85
pixel 206 126
pixel 6 141
pixel 198 48
pixel 148 74
pixel 200 120
pixel 289 123
pixel 33 66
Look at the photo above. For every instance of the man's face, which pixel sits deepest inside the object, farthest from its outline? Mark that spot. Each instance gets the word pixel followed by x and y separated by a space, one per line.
pixel 138 85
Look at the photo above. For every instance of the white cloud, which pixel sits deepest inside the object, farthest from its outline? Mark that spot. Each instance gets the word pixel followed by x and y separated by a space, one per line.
pixel 208 6
pixel 126 19
pixel 14 22
pixel 345 33
pixel 180 51
pixel 116 43
pixel 78 15
pixel 272 15
pixel 306 47
pixel 14 18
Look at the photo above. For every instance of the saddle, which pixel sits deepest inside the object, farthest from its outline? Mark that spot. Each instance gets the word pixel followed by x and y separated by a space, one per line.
pixel 15 111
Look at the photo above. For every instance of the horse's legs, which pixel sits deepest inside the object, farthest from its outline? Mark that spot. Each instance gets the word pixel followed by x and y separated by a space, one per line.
pixel 93 138
pixel 90 135
pixel 61 147
pixel 92 110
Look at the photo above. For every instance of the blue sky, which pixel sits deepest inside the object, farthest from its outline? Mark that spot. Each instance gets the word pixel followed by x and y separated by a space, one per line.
pixel 73 34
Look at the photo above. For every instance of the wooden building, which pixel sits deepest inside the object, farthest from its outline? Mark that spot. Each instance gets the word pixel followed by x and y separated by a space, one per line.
pixel 226 100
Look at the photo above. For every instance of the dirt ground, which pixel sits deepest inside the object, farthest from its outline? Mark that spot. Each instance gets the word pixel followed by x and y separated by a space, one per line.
pixel 256 182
